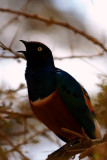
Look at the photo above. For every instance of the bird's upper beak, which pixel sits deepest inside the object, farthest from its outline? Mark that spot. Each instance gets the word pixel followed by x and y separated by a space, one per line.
pixel 25 43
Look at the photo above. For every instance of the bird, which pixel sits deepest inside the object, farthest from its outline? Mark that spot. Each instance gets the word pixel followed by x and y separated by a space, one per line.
pixel 56 98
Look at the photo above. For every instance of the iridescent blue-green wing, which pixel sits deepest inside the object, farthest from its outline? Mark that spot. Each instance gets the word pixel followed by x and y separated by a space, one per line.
pixel 72 95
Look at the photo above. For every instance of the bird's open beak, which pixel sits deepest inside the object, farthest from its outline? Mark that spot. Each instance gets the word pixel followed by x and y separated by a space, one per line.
pixel 25 43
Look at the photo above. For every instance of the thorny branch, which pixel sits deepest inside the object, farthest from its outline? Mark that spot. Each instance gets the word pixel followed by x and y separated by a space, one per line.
pixel 19 88
pixel 16 55
pixel 16 147
pixel 59 23
pixel 28 139
pixel 85 147
pixel 24 7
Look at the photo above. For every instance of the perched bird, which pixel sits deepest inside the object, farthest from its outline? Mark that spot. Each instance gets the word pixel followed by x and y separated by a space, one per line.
pixel 56 98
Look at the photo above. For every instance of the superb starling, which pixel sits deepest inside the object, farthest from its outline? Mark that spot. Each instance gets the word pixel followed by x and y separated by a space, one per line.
pixel 56 98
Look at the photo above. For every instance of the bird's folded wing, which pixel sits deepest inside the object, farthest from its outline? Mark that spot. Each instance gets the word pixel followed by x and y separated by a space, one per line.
pixel 72 94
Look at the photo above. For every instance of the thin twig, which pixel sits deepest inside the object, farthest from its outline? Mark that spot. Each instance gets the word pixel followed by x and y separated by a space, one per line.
pixel 79 56
pixel 16 55
pixel 72 133
pixel 21 87
pixel 26 140
pixel 14 114
pixel 4 136
pixel 15 17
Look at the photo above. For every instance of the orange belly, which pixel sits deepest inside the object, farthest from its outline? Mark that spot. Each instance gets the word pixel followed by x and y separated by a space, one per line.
pixel 54 114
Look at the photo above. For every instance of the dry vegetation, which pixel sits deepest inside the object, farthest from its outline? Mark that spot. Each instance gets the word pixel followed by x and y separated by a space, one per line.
pixel 16 128
pixel 101 104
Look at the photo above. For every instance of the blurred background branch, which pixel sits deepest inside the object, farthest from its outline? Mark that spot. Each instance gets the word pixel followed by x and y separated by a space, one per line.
pixel 52 21
pixel 16 55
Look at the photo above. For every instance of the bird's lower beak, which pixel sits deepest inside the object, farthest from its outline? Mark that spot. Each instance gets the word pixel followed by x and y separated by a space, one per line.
pixel 22 52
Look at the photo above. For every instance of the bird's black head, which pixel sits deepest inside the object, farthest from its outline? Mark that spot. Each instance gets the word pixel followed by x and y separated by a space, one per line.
pixel 37 55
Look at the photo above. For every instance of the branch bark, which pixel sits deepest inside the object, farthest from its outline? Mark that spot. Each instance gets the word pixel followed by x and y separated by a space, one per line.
pixel 55 22
pixel 85 147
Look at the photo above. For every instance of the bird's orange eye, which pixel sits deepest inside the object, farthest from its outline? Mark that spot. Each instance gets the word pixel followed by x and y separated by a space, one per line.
pixel 39 49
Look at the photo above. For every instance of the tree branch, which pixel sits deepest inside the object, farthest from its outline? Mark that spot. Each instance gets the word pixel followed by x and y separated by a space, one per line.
pixel 24 7
pixel 79 56
pixel 59 23
pixel 85 147
pixel 16 114
pixel 15 54
pixel 19 88
pixel 28 139
pixel 4 136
